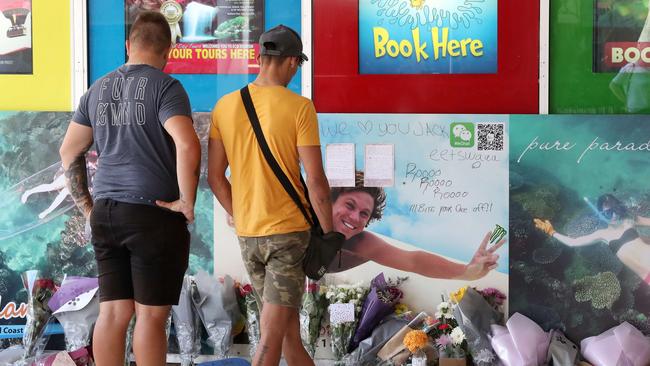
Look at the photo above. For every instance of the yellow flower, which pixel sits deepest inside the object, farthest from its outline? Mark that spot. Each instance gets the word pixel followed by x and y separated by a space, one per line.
pixel 415 340
pixel 401 309
pixel 458 295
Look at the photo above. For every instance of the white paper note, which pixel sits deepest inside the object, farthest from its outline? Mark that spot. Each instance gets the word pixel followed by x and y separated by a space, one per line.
pixel 379 165
pixel 339 162
pixel 341 313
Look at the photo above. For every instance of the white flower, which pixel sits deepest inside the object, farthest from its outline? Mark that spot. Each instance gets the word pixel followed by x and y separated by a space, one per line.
pixel 484 356
pixel 443 305
pixel 457 336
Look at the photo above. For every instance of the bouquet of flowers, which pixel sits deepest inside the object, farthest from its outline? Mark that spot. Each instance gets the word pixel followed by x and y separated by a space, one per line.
pixel 476 311
pixel 252 317
pixel 415 341
pixel 381 301
pixel 187 324
pixel 40 291
pixel 311 314
pixel 449 337
pixel 342 332
pixel 216 304
pixel 494 297
pixel 76 306
pixel 395 351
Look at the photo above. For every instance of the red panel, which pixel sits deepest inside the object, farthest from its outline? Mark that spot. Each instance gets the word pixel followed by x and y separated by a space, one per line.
pixel 338 87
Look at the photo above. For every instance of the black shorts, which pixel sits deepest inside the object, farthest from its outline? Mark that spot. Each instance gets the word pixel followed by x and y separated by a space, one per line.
pixel 142 252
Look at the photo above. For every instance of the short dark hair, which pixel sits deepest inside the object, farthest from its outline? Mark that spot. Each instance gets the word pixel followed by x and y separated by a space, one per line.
pixel 273 60
pixel 151 30
pixel 614 203
pixel 377 193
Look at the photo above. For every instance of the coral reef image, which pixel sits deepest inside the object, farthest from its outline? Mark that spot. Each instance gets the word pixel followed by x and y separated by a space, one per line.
pixel 580 222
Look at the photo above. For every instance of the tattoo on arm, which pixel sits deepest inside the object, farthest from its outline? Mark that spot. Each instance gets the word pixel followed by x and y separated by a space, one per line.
pixel 77 183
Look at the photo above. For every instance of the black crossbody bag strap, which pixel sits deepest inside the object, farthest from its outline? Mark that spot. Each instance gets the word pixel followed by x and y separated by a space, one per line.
pixel 273 164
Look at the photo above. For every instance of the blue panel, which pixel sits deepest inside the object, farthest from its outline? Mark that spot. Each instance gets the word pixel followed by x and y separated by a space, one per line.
pixel 106 49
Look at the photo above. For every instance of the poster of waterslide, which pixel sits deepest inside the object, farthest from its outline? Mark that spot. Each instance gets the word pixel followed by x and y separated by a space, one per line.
pixel 40 228
pixel 580 221
pixel 427 192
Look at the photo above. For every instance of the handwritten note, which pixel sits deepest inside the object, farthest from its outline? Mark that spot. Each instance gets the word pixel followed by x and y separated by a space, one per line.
pixel 379 165
pixel 339 165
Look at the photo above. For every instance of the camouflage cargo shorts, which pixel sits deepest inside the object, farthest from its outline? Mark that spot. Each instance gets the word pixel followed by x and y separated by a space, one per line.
pixel 274 264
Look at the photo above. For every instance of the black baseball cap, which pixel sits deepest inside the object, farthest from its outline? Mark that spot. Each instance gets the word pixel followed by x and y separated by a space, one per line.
pixel 281 41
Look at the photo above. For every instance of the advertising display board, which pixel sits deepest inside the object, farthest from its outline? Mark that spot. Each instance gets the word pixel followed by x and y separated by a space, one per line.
pixel 210 36
pixel 443 38
pixel 348 78
pixel 443 188
pixel 579 208
pixel 599 57
pixel 41 228
pixel 35 55
pixel 16 37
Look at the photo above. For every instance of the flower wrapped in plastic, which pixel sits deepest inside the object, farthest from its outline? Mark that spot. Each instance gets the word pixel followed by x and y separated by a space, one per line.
pixel 342 332
pixel 252 318
pixel 521 342
pixel 311 314
pixel 379 303
pixel 448 337
pixel 40 291
pixel 216 304
pixel 394 350
pixel 187 324
pixel 621 345
pixel 366 353
pixel 475 315
pixel 76 306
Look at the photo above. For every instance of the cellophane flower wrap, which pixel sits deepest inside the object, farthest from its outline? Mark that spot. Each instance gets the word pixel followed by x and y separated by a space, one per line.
pixel 40 291
pixel 312 310
pixel 380 302
pixel 341 333
pixel 187 324
pixel 476 311
pixel 252 317
pixel 76 306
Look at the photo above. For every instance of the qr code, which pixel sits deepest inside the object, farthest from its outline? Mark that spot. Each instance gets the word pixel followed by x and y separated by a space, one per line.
pixel 490 136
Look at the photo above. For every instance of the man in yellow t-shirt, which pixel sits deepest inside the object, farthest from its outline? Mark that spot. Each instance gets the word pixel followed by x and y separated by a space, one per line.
pixel 273 233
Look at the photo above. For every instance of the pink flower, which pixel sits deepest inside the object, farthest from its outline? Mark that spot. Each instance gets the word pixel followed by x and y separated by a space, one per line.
pixel 443 341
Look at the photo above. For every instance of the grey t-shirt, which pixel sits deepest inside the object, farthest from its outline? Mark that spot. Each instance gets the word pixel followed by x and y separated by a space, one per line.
pixel 127 109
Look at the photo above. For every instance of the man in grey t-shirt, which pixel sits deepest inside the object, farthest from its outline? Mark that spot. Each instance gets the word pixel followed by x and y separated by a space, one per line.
pixel 144 191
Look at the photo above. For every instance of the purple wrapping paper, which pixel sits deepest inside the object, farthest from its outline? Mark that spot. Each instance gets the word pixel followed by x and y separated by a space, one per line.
pixel 521 342
pixel 621 345
pixel 73 287
pixel 373 311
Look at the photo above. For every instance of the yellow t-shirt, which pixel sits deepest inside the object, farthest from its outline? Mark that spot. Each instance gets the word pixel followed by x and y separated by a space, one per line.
pixel 261 206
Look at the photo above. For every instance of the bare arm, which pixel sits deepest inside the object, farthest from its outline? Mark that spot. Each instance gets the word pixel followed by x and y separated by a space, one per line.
pixel 78 139
pixel 593 238
pixel 188 163
pixel 643 221
pixel 426 264
pixel 319 189
pixel 217 165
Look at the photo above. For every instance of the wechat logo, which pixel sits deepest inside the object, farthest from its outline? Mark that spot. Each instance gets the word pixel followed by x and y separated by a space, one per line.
pixel 462 134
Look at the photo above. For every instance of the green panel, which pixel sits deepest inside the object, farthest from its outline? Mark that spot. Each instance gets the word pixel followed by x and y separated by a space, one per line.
pixel 574 87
